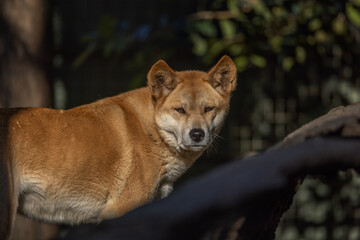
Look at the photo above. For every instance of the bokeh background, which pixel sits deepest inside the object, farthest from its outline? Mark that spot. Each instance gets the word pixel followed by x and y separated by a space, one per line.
pixel 296 60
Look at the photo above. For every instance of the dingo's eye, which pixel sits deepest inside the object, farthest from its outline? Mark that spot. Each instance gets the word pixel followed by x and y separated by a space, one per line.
pixel 208 109
pixel 180 110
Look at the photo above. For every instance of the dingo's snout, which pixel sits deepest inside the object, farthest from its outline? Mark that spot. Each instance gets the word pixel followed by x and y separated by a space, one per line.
pixel 197 134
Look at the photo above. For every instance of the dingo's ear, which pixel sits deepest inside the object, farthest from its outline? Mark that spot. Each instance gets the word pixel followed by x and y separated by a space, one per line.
pixel 161 79
pixel 223 75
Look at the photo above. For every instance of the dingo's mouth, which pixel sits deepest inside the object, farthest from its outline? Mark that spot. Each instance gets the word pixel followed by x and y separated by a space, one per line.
pixel 194 147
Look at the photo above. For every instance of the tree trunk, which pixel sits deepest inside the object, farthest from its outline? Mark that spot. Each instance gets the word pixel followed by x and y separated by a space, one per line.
pixel 23 73
pixel 24 80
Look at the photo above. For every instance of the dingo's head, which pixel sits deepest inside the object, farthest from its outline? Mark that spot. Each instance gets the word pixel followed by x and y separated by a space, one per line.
pixel 190 106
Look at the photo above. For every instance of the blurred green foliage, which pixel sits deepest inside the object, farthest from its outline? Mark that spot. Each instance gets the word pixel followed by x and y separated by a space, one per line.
pixel 108 37
pixel 296 59
pixel 251 31
pixel 140 44
pixel 325 209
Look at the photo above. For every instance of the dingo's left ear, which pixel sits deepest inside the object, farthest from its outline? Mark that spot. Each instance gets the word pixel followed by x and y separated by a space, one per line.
pixel 223 75
pixel 161 79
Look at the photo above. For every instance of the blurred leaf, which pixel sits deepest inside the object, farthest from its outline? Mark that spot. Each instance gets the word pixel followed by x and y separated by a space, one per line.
pixel 321 49
pixel 232 6
pixel 108 48
pixel 241 63
pixel 300 54
pixel 83 56
pixel 308 11
pixel 200 44
pixel 142 31
pixel 206 28
pixel 287 63
pixel 349 91
pixel 228 28
pixel 321 36
pixel 290 28
pixel 257 60
pixel 258 21
pixel 353 14
pixel 276 43
pixel 311 40
pixel 107 26
pixel 279 11
pixel 120 45
pixel 315 24
pixel 214 50
pixel 338 24
pixel 356 2
pixel 297 7
pixel 346 89
pixel 236 49
pixel 262 10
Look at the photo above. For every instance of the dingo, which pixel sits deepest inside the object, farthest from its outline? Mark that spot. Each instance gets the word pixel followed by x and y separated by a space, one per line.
pixel 101 160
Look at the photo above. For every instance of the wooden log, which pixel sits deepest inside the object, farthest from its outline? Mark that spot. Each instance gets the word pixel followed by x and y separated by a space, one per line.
pixel 252 189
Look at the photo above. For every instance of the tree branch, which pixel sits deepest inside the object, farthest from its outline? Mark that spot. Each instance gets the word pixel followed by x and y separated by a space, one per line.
pixel 210 15
pixel 245 189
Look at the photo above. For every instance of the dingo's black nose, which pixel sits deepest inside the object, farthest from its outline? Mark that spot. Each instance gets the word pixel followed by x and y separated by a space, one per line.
pixel 197 134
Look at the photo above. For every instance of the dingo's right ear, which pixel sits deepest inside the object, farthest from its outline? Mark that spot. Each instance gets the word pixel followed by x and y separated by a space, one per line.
pixel 161 79
pixel 223 75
